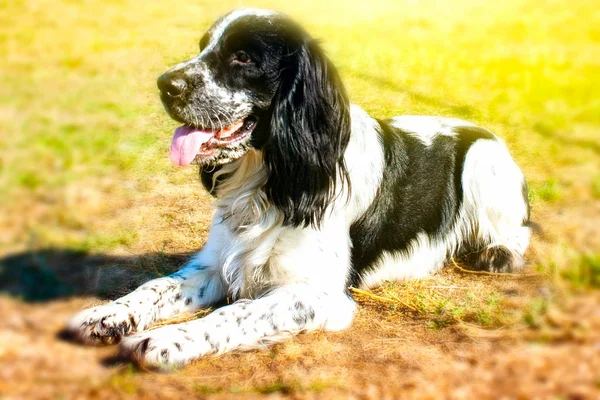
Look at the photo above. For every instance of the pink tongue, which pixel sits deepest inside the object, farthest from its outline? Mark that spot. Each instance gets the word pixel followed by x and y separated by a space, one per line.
pixel 186 144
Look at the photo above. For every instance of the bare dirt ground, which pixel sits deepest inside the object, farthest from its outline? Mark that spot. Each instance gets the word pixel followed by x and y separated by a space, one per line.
pixel 90 206
pixel 384 355
pixel 515 336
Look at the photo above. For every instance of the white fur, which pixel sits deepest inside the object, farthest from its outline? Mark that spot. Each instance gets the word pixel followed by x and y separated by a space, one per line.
pixel 193 287
pixel 286 279
pixel 233 105
pixel 249 254
pixel 428 128
pixel 217 32
pixel 244 325
pixel 423 257
pixel 491 200
pixel 297 276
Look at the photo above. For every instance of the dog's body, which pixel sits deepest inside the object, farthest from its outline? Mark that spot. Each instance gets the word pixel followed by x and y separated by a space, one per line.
pixel 314 196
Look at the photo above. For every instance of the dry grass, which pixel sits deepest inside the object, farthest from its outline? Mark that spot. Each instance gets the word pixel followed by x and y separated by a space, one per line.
pixel 84 172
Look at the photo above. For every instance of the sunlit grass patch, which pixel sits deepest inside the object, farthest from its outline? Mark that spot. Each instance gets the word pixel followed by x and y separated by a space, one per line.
pixel 77 112
pixel 535 312
pixel 206 389
pixel 95 242
pixel 584 272
pixel 84 165
pixel 548 190
pixel 596 186
pixel 77 104
pixel 283 387
pixel 124 381
pixel 493 309
pixel 447 299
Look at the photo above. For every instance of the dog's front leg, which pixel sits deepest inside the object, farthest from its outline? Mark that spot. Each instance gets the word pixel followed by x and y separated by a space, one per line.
pixel 197 285
pixel 245 324
pixel 186 290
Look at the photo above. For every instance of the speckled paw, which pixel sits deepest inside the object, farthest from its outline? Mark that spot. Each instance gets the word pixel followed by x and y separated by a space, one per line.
pixel 105 324
pixel 164 348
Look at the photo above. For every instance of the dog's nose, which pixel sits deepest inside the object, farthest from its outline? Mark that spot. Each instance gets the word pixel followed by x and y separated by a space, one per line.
pixel 171 84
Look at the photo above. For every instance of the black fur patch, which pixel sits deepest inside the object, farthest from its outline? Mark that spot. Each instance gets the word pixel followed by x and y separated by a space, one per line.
pixel 309 132
pixel 206 177
pixel 421 191
pixel 132 322
pixel 496 259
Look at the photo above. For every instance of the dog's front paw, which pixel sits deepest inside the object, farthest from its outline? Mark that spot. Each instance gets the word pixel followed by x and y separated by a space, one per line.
pixel 165 348
pixel 103 324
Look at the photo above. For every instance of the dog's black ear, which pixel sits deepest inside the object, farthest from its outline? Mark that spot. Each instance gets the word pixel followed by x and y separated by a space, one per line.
pixel 309 132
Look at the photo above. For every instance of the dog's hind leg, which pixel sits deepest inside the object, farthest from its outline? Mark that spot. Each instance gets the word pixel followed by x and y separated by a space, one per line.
pixel 495 197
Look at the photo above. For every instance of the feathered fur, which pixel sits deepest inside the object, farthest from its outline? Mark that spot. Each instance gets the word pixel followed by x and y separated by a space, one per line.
pixel 316 196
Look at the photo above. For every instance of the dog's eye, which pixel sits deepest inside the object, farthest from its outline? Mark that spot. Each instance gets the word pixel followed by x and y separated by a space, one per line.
pixel 241 57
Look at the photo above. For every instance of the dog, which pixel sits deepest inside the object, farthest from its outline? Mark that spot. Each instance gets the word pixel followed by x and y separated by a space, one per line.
pixel 313 196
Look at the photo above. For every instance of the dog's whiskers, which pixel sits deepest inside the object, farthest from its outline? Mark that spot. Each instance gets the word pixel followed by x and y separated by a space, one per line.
pixel 207 115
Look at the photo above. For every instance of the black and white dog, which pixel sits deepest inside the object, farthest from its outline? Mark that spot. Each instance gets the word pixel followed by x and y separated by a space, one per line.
pixel 314 196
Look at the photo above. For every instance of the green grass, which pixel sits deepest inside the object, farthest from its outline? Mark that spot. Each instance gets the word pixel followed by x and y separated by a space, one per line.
pixel 79 108
pixel 584 272
pixel 291 387
pixel 596 186
pixel 441 303
pixel 535 312
pixel 487 312
pixel 78 93
pixel 84 140
pixel 548 190
pixel 124 381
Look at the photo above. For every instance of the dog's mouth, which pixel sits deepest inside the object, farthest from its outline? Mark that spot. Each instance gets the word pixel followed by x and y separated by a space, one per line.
pixel 192 144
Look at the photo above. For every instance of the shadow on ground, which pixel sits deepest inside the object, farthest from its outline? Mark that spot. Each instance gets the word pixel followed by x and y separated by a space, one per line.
pixel 48 274
pixel 467 111
pixel 550 133
pixel 379 82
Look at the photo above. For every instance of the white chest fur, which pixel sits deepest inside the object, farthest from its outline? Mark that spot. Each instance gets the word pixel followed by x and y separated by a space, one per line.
pixel 258 252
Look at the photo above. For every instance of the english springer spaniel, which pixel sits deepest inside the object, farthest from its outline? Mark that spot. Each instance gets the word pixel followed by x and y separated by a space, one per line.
pixel 314 196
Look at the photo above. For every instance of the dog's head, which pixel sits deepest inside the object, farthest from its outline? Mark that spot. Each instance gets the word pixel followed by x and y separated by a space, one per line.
pixel 260 81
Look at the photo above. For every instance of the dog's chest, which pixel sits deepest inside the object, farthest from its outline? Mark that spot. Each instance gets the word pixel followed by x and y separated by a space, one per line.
pixel 261 253
pixel 255 229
